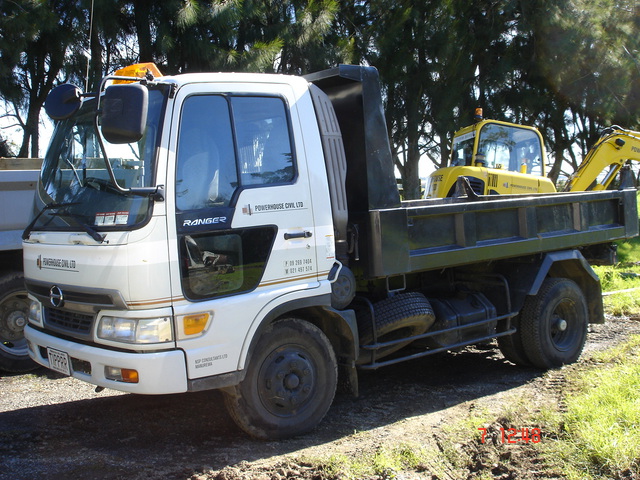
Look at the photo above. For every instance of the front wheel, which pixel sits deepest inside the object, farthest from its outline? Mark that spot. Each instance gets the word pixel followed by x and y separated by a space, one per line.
pixel 290 383
pixel 554 323
pixel 14 312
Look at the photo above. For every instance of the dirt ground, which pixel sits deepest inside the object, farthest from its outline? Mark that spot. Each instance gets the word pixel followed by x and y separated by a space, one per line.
pixel 58 428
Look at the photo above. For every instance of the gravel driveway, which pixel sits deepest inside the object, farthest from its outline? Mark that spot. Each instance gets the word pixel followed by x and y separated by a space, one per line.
pixel 56 427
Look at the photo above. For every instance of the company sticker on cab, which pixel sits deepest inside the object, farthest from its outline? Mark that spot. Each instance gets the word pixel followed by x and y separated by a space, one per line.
pixel 272 207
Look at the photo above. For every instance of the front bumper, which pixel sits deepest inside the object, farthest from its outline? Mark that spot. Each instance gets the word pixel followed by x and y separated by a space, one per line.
pixel 159 372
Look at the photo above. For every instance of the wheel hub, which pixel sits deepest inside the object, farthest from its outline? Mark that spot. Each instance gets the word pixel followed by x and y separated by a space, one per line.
pixel 563 329
pixel 13 318
pixel 292 381
pixel 561 324
pixel 288 381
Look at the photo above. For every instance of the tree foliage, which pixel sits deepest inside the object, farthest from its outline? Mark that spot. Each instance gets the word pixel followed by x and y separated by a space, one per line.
pixel 33 46
pixel 568 67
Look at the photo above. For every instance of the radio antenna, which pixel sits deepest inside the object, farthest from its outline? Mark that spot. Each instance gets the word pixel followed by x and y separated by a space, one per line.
pixel 86 80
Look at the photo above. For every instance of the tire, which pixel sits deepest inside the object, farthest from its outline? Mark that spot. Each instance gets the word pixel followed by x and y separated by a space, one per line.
pixel 554 324
pixel 14 312
pixel 343 289
pixel 290 382
pixel 512 347
pixel 400 316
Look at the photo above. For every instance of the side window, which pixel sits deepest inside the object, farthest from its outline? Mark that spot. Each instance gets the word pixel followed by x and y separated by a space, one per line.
pixel 206 173
pixel 264 145
pixel 529 153
pixel 207 167
pixel 462 152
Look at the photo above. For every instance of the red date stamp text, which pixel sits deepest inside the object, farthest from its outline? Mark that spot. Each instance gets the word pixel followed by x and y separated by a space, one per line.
pixel 514 435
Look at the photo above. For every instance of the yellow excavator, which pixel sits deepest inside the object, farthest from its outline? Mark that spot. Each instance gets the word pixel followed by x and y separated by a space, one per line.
pixel 498 158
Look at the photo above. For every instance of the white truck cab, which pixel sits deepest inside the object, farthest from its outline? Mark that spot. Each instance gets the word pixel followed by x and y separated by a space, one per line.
pixel 162 292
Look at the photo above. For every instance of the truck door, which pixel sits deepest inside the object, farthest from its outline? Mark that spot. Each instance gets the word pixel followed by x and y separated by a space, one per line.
pixel 244 223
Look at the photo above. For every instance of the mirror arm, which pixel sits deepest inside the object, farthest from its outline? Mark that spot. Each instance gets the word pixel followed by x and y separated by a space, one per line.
pixel 156 193
pixel 141 80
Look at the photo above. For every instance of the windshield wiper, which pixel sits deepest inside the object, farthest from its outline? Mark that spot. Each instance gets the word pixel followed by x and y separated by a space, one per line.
pixel 54 206
pixel 48 206
pixel 92 233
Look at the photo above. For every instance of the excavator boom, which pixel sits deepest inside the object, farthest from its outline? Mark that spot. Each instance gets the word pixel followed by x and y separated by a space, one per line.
pixel 616 147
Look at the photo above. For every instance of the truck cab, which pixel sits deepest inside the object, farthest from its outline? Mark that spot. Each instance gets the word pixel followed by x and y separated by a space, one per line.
pixel 233 220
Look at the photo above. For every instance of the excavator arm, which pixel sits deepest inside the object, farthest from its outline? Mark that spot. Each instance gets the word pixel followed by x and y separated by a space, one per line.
pixel 613 150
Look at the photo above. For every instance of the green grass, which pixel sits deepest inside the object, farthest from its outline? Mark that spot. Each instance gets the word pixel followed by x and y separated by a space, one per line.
pixel 621 286
pixel 600 436
pixel 385 462
pixel 629 250
pixel 622 278
pixel 594 436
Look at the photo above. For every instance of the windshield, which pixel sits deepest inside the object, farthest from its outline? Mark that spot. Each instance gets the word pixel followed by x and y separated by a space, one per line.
pixel 511 148
pixel 75 176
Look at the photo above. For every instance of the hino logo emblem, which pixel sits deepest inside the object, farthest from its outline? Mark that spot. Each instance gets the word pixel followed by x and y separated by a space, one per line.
pixel 56 297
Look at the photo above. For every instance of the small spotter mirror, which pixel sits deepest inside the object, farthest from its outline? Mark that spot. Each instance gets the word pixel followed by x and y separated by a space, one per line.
pixel 63 101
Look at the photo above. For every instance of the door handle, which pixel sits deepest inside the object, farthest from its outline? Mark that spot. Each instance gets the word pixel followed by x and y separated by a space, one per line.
pixel 305 234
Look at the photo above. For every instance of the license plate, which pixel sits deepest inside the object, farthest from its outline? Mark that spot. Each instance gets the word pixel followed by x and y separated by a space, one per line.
pixel 58 361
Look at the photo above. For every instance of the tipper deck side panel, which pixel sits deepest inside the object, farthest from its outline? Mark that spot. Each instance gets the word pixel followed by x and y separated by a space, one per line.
pixel 445 233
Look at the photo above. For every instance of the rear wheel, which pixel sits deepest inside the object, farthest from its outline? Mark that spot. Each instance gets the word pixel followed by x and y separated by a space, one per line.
pixel 512 347
pixel 14 312
pixel 554 323
pixel 290 383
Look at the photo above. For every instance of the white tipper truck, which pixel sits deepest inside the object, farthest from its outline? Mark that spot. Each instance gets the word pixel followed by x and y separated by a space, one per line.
pixel 244 232
pixel 18 179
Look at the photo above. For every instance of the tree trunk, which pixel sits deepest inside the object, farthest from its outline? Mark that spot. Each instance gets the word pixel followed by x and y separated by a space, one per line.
pixel 32 129
pixel 411 172
pixel 142 13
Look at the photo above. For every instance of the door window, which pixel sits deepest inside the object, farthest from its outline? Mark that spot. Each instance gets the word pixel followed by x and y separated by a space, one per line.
pixel 226 142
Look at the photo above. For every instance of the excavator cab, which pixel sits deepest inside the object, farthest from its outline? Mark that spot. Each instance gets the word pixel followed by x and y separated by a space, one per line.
pixel 496 158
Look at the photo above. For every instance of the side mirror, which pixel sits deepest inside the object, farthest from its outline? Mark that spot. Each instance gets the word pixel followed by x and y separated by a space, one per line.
pixel 63 101
pixel 124 113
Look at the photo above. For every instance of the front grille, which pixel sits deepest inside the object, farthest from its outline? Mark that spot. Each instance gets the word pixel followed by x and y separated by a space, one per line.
pixel 77 323
pixel 98 299
pixel 477 185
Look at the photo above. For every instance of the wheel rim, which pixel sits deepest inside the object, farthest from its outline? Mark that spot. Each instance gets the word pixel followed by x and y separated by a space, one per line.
pixel 288 381
pixel 14 312
pixel 564 326
pixel 342 287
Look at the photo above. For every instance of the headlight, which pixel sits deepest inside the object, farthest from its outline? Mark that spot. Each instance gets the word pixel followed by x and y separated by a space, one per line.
pixel 35 312
pixel 135 330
